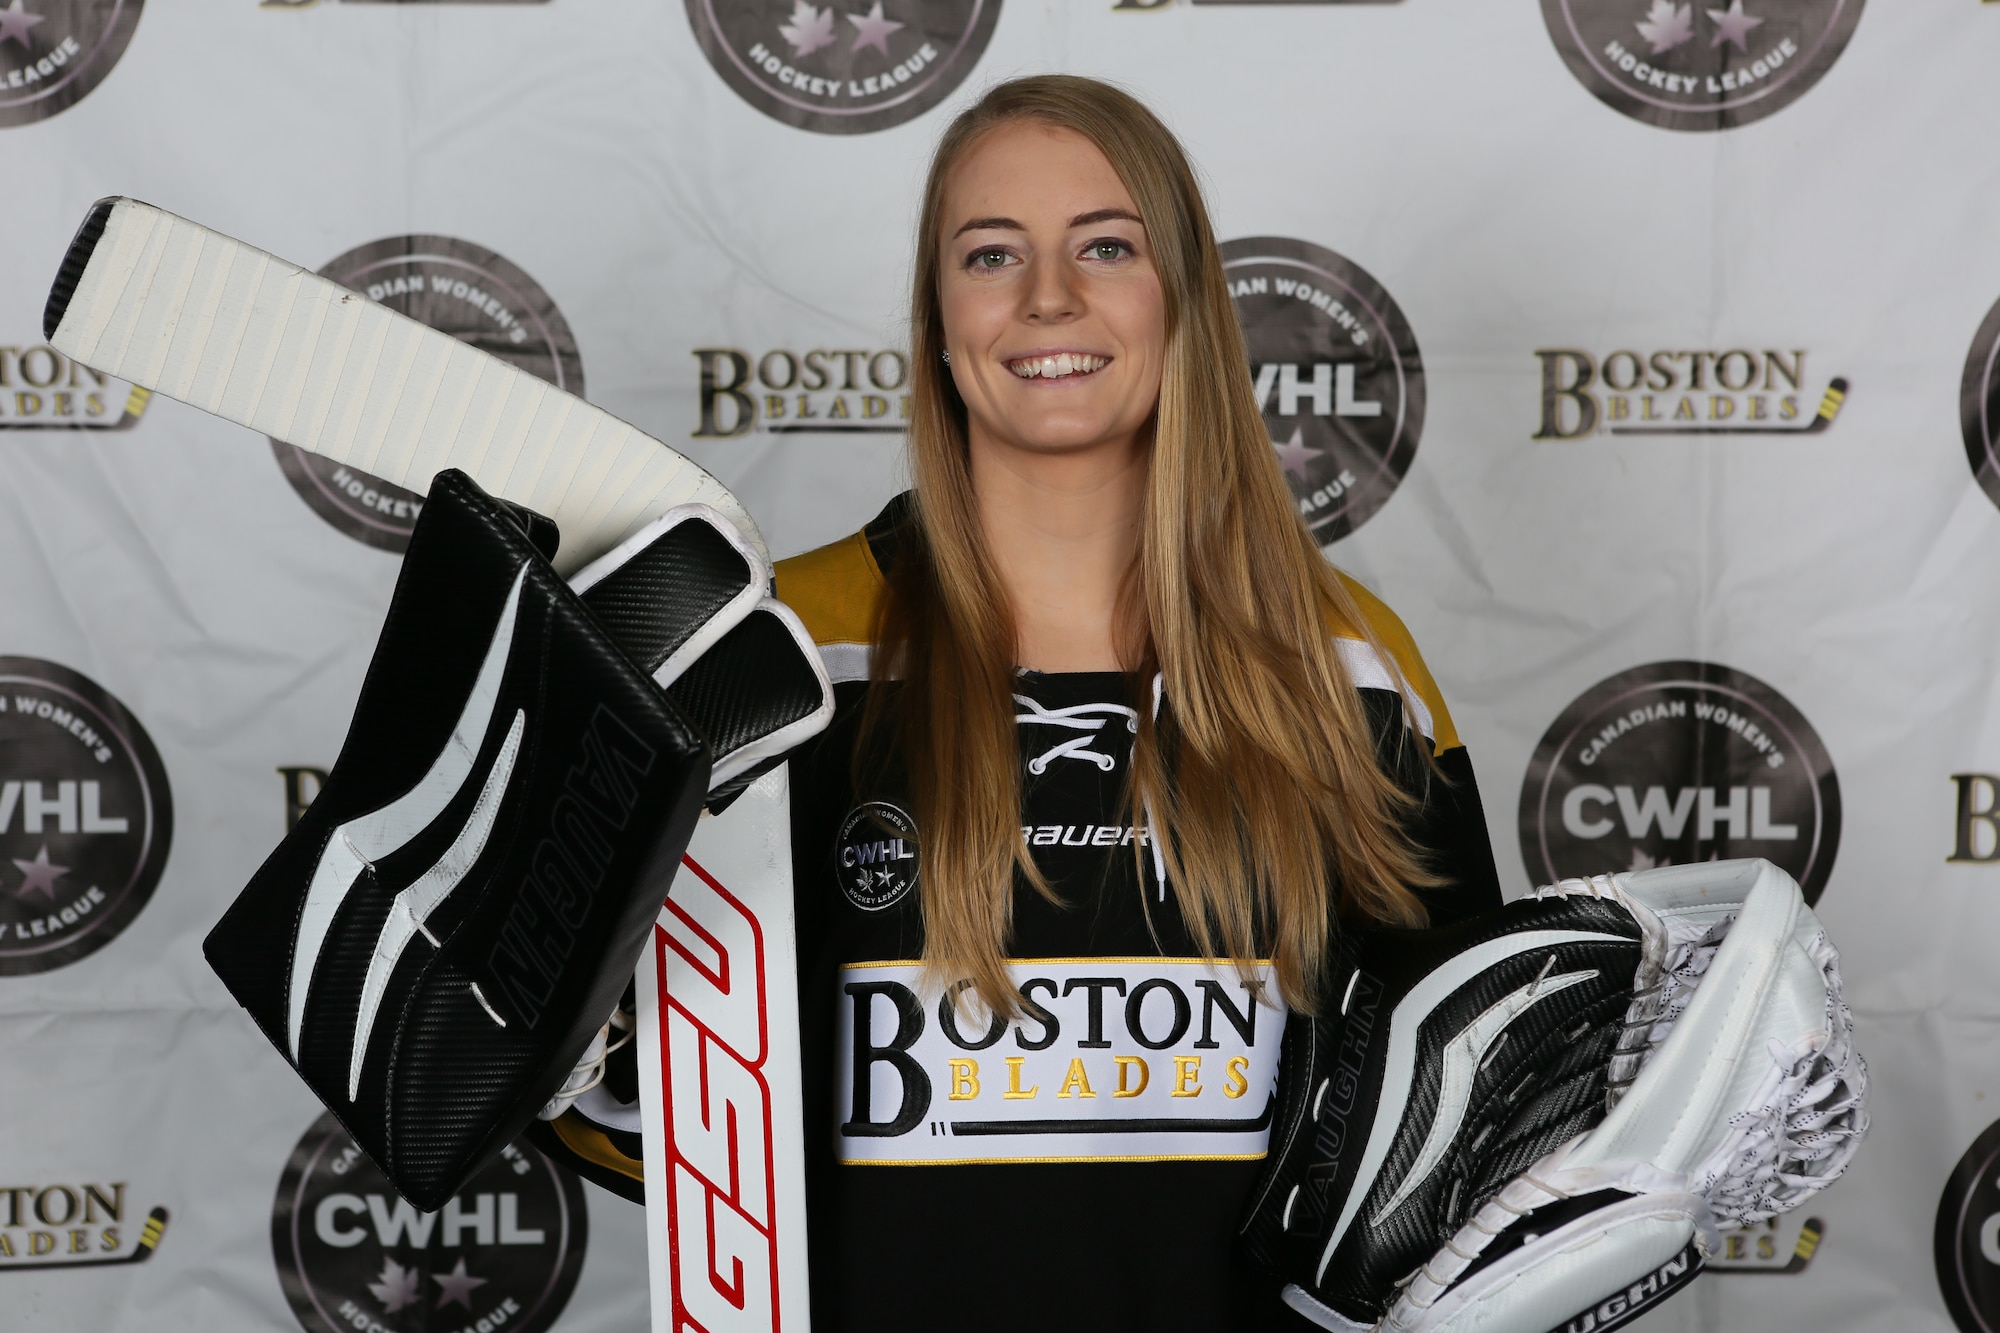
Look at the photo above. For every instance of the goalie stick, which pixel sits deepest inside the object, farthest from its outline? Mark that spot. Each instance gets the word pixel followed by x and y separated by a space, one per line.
pixel 175 308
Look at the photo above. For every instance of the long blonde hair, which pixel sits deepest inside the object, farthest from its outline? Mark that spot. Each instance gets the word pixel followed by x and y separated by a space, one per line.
pixel 1259 777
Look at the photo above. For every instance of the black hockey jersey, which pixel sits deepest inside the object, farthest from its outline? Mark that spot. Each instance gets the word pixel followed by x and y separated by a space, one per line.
pixel 1086 1164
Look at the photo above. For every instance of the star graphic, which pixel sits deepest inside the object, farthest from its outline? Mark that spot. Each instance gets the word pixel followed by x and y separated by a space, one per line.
pixel 885 877
pixel 457 1285
pixel 1295 454
pixel 15 22
pixel 871 29
pixel 38 876
pixel 1733 25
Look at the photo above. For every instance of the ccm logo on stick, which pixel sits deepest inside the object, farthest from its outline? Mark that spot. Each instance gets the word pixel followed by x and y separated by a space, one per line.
pixel 719 1126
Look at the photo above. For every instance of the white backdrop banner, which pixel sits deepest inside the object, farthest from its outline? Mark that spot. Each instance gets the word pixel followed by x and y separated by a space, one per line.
pixel 1643 354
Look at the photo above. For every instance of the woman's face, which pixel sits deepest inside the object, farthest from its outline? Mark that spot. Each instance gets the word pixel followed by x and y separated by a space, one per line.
pixel 1053 312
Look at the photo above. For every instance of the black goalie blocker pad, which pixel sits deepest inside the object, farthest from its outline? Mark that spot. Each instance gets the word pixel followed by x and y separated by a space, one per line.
pixel 440 936
pixel 1458 1057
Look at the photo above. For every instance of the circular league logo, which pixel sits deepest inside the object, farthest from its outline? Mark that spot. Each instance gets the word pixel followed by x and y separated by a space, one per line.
pixel 54 53
pixel 352 1254
pixel 875 856
pixel 1337 375
pixel 843 67
pixel 455 287
pixel 1968 1237
pixel 1678 762
pixel 1700 64
pixel 1979 406
pixel 85 816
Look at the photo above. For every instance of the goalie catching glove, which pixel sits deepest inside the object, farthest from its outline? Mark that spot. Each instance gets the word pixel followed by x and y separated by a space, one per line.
pixel 1546 1112
pixel 441 935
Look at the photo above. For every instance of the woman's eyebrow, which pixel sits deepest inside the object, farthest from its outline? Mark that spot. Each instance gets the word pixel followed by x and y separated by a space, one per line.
pixel 1105 215
pixel 1080 220
pixel 988 224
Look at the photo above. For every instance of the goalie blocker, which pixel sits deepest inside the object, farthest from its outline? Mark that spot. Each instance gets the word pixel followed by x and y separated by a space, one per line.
pixel 441 935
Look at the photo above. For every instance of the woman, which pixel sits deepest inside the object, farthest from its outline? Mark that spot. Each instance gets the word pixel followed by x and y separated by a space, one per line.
pixel 1116 754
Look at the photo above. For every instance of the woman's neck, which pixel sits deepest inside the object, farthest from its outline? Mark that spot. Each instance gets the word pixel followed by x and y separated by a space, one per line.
pixel 1062 529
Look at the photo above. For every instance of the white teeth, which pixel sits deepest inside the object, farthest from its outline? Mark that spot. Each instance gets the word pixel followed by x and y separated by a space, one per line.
pixel 1058 366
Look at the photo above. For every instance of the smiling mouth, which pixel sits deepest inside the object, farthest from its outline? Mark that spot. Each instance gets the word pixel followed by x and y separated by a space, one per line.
pixel 1063 365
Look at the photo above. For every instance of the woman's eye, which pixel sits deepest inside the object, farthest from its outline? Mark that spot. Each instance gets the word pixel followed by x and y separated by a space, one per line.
pixel 1107 250
pixel 989 259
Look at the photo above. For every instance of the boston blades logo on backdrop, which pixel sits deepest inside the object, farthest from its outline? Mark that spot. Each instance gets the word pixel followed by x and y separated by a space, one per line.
pixel 843 67
pixel 1337 375
pixel 1700 64
pixel 456 287
pixel 1676 762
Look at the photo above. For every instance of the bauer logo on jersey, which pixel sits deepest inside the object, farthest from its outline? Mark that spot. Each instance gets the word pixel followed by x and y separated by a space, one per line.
pixel 1699 64
pixel 1979 405
pixel 1677 762
pixel 85 816
pixel 1337 374
pixel 875 856
pixel 1967 1237
pixel 54 53
pixel 843 67
pixel 1684 391
pixel 1111 1059
pixel 503 1254
pixel 456 287
pixel 41 389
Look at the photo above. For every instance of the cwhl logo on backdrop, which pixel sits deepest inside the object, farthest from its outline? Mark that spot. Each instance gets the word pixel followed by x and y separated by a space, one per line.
pixel 86 816
pixel 1979 405
pixel 843 67
pixel 1112 1059
pixel 1337 374
pixel 1966 1238
pixel 1690 391
pixel 824 391
pixel 456 287
pixel 54 53
pixel 505 1252
pixel 1700 64
pixel 1676 762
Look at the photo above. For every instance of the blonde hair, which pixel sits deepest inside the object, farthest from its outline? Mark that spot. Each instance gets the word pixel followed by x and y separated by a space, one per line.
pixel 1259 776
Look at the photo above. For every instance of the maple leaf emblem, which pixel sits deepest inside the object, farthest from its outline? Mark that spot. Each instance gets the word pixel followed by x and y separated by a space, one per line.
pixel 1667 25
pixel 397 1287
pixel 810 28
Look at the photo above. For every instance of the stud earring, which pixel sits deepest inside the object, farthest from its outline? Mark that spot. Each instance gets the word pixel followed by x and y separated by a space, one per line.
pixel 947 358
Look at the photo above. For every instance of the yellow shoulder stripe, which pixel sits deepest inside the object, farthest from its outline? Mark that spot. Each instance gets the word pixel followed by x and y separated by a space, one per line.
pixel 834 590
pixel 590 1143
pixel 1391 633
